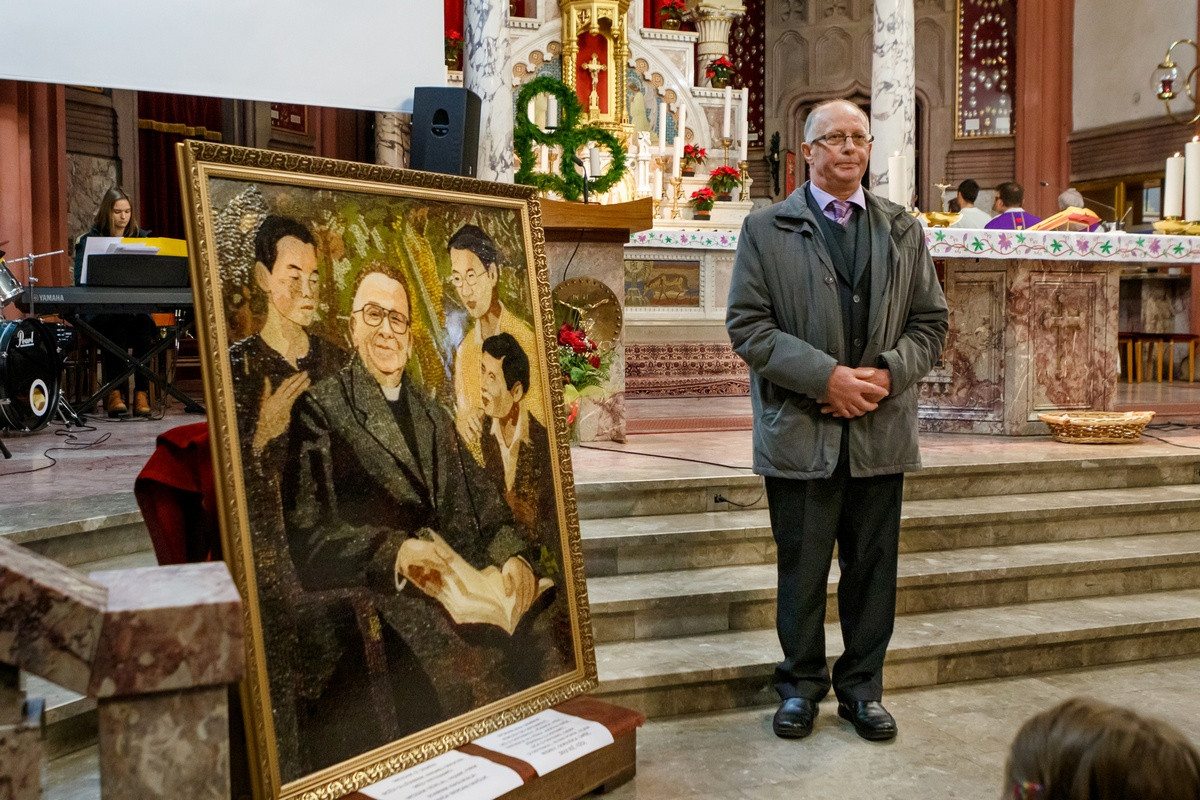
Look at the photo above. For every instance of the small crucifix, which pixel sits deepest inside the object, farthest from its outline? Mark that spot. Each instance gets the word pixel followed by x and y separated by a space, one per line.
pixel 942 187
pixel 594 68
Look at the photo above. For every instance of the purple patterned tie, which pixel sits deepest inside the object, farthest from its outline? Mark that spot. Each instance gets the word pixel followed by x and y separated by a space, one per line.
pixel 839 211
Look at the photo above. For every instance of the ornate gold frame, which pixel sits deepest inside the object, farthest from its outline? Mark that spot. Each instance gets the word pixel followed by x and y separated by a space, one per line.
pixel 200 161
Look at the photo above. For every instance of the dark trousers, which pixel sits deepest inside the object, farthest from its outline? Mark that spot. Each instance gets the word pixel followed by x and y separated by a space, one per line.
pixel 862 515
pixel 136 332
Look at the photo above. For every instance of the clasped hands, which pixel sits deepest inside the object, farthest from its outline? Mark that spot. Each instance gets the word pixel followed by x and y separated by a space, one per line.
pixel 854 391
pixel 493 595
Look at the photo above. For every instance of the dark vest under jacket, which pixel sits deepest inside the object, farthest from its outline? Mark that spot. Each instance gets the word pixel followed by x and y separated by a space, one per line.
pixel 850 251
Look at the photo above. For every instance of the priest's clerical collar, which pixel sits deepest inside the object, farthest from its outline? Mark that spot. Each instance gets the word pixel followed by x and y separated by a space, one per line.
pixel 824 198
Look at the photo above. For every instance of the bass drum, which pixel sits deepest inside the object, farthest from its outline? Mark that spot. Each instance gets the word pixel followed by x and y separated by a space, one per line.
pixel 29 373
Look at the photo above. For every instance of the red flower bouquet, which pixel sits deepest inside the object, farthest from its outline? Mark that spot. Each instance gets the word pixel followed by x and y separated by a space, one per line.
pixel 724 178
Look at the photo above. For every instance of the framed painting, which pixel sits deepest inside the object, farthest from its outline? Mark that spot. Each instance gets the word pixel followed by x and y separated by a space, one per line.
pixel 394 477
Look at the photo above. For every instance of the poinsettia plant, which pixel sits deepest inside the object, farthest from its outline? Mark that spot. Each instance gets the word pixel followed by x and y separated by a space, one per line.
pixel 724 178
pixel 703 199
pixel 693 156
pixel 673 9
pixel 584 367
pixel 721 69
pixel 454 45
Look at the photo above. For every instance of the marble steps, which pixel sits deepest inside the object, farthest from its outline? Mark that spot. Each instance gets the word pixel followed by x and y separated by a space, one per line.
pixel 79 531
pixel 709 672
pixel 1092 468
pixel 688 602
pixel 721 538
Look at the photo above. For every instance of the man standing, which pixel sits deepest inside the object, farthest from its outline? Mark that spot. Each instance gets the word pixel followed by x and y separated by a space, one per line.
pixel 836 308
pixel 388 513
pixel 972 217
pixel 1011 217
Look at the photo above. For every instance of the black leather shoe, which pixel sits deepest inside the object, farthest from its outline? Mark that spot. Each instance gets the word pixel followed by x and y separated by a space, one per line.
pixel 794 719
pixel 870 719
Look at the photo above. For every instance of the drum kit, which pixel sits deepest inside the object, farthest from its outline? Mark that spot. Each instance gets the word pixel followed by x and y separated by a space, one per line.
pixel 30 364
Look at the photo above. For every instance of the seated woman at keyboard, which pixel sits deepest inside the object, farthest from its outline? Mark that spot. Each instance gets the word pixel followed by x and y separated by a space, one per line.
pixel 136 332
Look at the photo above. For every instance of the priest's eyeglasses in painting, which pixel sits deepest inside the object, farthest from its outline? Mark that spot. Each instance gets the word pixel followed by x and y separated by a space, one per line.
pixel 374 315
pixel 837 139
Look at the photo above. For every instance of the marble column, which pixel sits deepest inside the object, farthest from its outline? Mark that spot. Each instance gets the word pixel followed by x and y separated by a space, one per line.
pixel 485 57
pixel 393 139
pixel 714 18
pixel 893 92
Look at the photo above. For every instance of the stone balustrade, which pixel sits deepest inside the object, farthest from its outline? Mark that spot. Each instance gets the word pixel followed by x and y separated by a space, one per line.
pixel 157 648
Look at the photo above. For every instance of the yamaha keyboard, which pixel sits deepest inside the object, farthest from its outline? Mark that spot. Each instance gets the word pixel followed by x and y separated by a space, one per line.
pixel 102 300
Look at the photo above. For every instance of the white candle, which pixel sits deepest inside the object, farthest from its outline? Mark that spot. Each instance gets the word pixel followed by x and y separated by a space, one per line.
pixel 1191 180
pixel 552 112
pixel 658 183
pixel 594 161
pixel 532 112
pixel 681 128
pixel 543 159
pixel 678 151
pixel 745 123
pixel 896 179
pixel 725 120
pixel 1173 188
pixel 662 126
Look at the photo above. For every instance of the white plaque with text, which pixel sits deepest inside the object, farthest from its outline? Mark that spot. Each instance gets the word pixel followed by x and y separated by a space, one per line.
pixel 548 740
pixel 451 775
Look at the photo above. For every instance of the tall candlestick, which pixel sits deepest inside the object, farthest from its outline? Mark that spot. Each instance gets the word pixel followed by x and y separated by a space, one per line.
pixel 725 132
pixel 1172 201
pixel 552 112
pixel 745 123
pixel 1191 180
pixel 896 179
pixel 662 125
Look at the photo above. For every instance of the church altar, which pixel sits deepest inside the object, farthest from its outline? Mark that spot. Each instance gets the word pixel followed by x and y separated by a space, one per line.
pixel 1034 317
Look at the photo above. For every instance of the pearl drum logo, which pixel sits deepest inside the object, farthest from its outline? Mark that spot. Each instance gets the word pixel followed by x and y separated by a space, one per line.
pixel 25 338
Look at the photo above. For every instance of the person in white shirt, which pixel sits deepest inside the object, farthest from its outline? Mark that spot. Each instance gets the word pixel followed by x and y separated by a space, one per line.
pixel 972 217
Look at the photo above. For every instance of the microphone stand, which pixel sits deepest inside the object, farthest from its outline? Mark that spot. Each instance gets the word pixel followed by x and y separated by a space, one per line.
pixel 586 180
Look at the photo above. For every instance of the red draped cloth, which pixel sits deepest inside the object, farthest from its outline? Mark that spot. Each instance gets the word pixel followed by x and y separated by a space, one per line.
pixel 164 120
pixel 178 500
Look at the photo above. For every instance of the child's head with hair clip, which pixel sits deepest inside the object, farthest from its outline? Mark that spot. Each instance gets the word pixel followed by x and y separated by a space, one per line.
pixel 1083 749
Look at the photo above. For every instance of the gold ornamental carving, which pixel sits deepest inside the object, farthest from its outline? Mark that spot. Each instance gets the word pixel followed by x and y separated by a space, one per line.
pixel 609 20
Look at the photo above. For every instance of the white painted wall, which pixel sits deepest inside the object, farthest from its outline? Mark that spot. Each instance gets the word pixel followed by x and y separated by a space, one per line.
pixel 1117 46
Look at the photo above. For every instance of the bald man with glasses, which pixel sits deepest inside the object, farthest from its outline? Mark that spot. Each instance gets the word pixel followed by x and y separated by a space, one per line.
pixel 835 306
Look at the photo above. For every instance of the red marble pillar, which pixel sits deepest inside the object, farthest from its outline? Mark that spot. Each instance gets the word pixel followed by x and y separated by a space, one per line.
pixel 1045 32
pixel 33 177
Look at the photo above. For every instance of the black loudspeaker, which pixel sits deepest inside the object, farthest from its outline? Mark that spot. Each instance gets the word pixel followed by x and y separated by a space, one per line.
pixel 445 130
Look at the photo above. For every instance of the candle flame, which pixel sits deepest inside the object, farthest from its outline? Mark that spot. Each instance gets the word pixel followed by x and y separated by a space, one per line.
pixel 1196 138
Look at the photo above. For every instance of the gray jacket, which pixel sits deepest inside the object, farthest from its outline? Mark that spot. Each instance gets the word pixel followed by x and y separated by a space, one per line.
pixel 785 321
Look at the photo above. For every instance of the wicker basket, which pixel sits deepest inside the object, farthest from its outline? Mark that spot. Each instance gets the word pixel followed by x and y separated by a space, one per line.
pixel 1097 427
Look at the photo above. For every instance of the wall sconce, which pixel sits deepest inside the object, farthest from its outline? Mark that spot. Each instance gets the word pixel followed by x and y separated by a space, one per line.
pixel 1167 83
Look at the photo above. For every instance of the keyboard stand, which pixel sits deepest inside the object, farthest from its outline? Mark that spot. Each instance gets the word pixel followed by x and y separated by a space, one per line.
pixel 133 364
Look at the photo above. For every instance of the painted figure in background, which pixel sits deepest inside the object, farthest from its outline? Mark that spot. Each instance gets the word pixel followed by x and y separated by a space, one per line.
pixel 475 272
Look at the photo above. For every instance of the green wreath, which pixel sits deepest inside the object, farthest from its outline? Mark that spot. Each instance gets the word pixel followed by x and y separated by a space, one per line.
pixel 569 183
